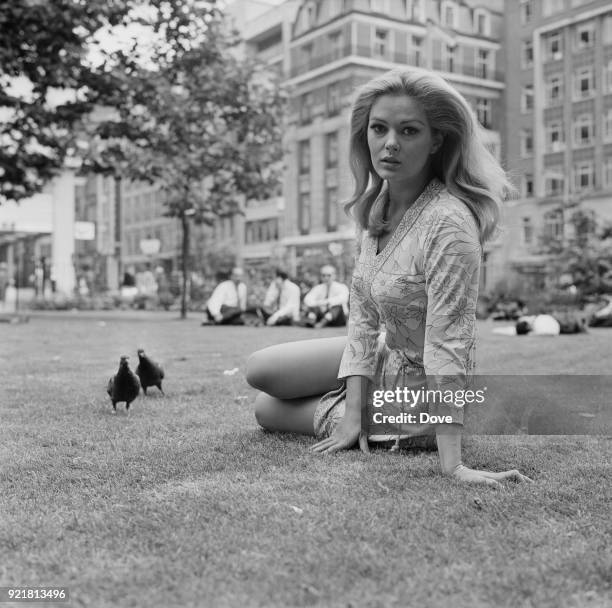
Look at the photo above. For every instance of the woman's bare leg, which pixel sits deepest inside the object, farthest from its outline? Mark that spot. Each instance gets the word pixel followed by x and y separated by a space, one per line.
pixel 292 377
pixel 286 415
pixel 297 369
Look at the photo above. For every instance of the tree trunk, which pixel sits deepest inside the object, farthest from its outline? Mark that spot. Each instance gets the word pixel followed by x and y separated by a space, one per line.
pixel 185 264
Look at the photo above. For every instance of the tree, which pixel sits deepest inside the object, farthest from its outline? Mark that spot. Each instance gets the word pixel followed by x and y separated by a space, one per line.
pixel 584 257
pixel 192 116
pixel 46 84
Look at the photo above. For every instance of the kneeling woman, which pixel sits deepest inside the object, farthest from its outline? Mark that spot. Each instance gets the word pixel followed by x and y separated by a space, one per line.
pixel 427 195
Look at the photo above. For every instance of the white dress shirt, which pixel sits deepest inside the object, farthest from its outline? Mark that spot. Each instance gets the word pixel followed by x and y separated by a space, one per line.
pixel 338 295
pixel 228 294
pixel 289 303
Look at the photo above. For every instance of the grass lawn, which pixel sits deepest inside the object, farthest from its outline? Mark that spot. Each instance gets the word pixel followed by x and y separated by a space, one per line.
pixel 185 502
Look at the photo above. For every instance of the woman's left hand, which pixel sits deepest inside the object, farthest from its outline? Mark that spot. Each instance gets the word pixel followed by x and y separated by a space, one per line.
pixel 491 479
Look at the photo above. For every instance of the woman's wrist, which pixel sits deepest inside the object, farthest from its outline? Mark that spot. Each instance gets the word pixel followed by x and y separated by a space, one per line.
pixel 448 437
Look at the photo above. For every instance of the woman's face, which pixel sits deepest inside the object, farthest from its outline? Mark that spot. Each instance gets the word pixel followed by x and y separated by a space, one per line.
pixel 400 140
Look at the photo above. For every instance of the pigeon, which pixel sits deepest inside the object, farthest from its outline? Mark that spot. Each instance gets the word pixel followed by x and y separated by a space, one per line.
pixel 149 372
pixel 124 385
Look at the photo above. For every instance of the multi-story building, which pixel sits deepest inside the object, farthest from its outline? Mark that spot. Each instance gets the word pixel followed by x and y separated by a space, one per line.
pixel 266 30
pixel 131 228
pixel 558 122
pixel 37 237
pixel 338 45
pixel 144 224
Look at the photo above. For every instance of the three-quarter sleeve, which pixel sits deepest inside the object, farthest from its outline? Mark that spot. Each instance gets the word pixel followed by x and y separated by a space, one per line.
pixel 359 357
pixel 452 254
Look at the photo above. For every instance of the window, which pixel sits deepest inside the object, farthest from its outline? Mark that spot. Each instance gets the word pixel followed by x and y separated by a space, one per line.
pixel 554 90
pixel 554 137
pixel 607 77
pixel 527 185
pixel 527 232
pixel 381 43
pixel 417 51
pixel 483 112
pixel 583 176
pixel 526 142
pixel 525 10
pixel 336 43
pixel 304 212
pixel 380 6
pixel 584 84
pixel 585 35
pixel 606 29
pixel 527 98
pixel 448 57
pixel 331 149
pixel 526 54
pixel 304 156
pixel 549 7
pixel 482 23
pixel 554 182
pixel 553 224
pixel 306 108
pixel 583 130
pixel 331 208
pixel 417 10
pixel 607 125
pixel 553 46
pixel 334 99
pixel 306 56
pixel 607 173
pixel 482 63
pixel 447 14
pixel 311 14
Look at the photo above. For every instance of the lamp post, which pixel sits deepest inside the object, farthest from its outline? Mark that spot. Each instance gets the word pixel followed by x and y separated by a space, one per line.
pixel 184 218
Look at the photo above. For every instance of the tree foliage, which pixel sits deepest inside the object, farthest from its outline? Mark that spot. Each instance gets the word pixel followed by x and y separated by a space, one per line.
pixel 192 115
pixel 584 257
pixel 46 84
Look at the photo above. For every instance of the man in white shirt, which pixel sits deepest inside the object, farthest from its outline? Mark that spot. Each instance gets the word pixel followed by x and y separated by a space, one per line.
pixel 228 301
pixel 327 303
pixel 282 301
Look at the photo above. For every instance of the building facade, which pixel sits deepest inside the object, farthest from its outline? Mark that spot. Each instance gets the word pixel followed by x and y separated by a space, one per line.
pixel 256 234
pixel 337 46
pixel 558 135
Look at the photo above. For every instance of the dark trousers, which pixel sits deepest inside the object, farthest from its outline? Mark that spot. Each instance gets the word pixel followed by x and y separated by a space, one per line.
pixel 266 313
pixel 337 313
pixel 232 315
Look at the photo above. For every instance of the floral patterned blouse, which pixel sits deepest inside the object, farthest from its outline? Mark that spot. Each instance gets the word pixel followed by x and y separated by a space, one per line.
pixel 421 289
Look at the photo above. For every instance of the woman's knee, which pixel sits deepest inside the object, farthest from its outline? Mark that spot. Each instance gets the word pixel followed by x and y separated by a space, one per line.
pixel 264 411
pixel 259 370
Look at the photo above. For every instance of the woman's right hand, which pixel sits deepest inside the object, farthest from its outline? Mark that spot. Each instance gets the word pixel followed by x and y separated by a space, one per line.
pixel 345 435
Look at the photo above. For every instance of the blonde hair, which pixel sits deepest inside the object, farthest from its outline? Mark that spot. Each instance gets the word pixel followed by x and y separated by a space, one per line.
pixel 462 162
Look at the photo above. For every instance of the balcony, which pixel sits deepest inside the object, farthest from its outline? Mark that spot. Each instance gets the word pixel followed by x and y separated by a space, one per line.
pixel 318 61
pixel 468 69
pixel 413 58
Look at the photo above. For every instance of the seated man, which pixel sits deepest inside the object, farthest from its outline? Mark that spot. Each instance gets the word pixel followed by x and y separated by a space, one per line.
pixel 228 301
pixel 327 303
pixel 282 301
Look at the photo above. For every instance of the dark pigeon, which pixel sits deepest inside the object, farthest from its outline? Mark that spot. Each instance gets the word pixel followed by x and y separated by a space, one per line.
pixel 124 385
pixel 149 372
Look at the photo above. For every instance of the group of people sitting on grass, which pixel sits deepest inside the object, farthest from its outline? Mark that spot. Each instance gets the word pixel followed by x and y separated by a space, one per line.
pixel 325 305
